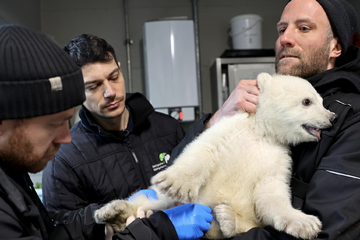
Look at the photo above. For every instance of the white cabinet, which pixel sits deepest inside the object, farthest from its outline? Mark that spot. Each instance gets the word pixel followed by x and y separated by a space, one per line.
pixel 170 67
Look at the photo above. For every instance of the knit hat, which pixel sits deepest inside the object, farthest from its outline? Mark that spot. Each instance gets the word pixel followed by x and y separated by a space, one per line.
pixel 343 19
pixel 37 77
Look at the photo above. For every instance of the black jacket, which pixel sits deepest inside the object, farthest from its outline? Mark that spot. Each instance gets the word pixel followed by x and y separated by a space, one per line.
pixel 99 166
pixel 23 216
pixel 326 180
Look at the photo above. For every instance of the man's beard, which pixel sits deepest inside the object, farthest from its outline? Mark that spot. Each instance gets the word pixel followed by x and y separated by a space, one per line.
pixel 19 154
pixel 308 66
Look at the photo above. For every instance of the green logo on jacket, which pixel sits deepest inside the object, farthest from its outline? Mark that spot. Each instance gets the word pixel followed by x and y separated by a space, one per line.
pixel 164 157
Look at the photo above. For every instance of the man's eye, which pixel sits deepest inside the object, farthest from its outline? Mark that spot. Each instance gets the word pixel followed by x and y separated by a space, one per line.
pixel 304 29
pixel 91 88
pixel 281 31
pixel 114 78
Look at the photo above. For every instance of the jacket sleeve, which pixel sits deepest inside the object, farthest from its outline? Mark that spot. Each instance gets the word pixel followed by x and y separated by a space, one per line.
pixel 157 227
pixel 79 224
pixel 61 188
pixel 334 190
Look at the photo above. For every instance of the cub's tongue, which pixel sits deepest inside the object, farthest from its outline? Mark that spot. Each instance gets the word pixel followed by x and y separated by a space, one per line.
pixel 316 132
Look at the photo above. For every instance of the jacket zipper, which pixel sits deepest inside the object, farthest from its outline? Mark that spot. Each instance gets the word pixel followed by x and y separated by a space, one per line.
pixel 143 182
pixel 132 152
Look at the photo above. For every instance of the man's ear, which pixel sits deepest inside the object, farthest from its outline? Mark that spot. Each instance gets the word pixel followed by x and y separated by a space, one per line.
pixel 119 64
pixel 335 48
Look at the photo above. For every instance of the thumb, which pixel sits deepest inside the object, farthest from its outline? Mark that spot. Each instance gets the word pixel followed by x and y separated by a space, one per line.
pixel 130 220
pixel 109 231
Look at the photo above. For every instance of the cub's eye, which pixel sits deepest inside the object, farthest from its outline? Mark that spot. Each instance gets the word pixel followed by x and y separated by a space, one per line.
pixel 306 102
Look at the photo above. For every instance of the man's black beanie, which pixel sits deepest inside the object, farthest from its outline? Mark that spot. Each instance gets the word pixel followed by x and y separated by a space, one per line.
pixel 37 77
pixel 343 20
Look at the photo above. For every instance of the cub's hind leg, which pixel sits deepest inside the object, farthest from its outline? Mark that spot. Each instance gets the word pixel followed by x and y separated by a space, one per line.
pixel 228 223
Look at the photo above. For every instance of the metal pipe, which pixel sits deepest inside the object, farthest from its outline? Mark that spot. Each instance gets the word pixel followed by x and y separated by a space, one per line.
pixel 128 42
pixel 197 54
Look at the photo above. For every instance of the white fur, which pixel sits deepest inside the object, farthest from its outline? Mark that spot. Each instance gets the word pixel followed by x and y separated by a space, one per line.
pixel 241 166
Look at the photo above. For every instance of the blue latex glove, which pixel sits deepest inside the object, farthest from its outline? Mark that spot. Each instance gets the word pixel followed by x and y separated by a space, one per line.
pixel 191 221
pixel 149 193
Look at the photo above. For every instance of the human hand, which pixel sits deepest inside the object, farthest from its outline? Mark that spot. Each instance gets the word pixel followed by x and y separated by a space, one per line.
pixel 109 231
pixel 149 193
pixel 190 220
pixel 243 98
pixel 140 213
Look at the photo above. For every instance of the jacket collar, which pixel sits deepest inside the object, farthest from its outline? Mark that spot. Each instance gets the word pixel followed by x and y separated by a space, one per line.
pixel 139 108
pixel 13 192
pixel 345 76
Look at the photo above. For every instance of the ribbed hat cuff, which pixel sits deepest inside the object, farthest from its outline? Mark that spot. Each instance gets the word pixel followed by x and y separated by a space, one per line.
pixel 26 99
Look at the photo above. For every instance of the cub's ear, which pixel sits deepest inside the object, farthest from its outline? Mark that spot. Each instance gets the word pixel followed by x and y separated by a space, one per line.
pixel 262 79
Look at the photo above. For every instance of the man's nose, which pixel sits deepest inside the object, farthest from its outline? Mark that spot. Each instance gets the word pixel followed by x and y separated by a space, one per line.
pixel 108 90
pixel 64 135
pixel 287 38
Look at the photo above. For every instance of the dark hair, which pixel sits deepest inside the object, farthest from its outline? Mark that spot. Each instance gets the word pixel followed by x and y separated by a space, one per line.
pixel 86 48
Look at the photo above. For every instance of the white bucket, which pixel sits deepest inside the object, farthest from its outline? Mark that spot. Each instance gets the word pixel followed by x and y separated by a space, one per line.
pixel 246 31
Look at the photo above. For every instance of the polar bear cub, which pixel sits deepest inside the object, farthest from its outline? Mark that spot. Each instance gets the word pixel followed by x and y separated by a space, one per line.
pixel 241 166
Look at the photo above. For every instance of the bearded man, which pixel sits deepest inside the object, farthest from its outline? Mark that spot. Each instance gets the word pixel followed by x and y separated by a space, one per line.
pixel 314 43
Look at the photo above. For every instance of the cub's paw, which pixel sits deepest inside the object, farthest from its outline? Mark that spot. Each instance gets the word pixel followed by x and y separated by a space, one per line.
pixel 225 215
pixel 299 225
pixel 180 187
pixel 115 213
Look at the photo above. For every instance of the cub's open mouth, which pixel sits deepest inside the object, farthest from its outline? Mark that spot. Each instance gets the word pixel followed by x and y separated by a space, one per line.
pixel 313 131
